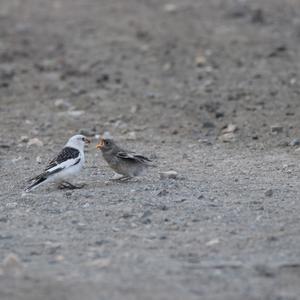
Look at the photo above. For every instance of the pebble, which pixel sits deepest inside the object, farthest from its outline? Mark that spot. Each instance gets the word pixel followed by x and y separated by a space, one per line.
pixel 99 263
pixel 62 104
pixel 24 139
pixel 52 248
pixel 227 137
pixel 265 271
pixel 276 128
pixel 200 60
pixel 295 142
pixel 208 124
pixel 258 16
pixel 170 7
pixel 11 205
pixel 12 264
pixel 146 214
pixel 76 113
pixel 162 193
pixel 131 136
pixel 213 242
pixel 127 213
pixel 269 193
pixel 59 258
pixel 230 128
pixel 35 142
pixel 7 71
pixel 134 109
pixel 168 175
pixel 38 159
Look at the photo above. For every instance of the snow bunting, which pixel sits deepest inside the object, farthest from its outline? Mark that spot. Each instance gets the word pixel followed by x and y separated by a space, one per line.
pixel 66 164
pixel 126 163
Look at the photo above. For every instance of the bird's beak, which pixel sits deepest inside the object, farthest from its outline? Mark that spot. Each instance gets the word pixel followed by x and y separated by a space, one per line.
pixel 100 144
pixel 87 141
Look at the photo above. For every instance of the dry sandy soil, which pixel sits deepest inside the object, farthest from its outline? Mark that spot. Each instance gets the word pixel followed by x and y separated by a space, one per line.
pixel 165 79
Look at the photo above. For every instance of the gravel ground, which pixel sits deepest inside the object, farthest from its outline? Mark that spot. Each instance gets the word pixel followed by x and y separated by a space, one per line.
pixel 209 89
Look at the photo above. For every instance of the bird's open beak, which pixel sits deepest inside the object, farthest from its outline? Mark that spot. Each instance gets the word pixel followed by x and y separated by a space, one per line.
pixel 87 141
pixel 100 144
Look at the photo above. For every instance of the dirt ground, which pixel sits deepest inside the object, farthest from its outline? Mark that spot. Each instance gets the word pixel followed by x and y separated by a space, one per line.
pixel 166 79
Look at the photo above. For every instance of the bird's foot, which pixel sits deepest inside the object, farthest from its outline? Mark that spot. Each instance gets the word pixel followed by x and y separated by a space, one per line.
pixel 70 186
pixel 120 178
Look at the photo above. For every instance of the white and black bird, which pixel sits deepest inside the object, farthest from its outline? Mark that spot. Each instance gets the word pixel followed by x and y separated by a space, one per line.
pixel 66 164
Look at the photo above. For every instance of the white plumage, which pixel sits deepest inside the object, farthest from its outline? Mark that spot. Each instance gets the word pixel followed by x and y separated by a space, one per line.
pixel 66 164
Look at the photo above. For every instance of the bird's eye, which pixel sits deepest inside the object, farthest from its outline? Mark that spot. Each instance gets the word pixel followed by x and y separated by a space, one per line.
pixel 82 139
pixel 106 143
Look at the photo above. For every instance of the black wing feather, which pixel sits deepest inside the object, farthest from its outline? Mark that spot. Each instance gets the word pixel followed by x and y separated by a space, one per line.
pixel 133 157
pixel 65 154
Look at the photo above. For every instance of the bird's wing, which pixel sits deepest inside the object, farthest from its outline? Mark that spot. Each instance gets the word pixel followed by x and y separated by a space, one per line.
pixel 66 158
pixel 134 157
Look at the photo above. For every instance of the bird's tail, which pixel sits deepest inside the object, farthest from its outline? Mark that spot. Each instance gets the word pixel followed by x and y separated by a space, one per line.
pixel 35 182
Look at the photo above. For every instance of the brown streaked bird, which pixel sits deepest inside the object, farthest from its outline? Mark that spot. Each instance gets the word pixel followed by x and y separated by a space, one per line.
pixel 126 163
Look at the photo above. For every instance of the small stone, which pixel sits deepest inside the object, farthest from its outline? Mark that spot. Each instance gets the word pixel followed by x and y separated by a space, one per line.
pixel 52 248
pixel 131 136
pixel 12 264
pixel 99 263
pixel 163 207
pixel 59 258
pixel 168 175
pixel 219 114
pixel 200 60
pixel 170 7
pixel 16 159
pixel 146 214
pixel 76 113
pixel 162 193
pixel 127 213
pixel 11 205
pixel 227 137
pixel 24 139
pixel 62 104
pixel 38 159
pixel 257 16
pixel 167 67
pixel 81 226
pixel 146 221
pixel 213 242
pixel 230 128
pixel 134 109
pixel 35 142
pixel 265 271
pixel 269 193
pixel 295 142
pixel 282 143
pixel 208 124
pixel 276 128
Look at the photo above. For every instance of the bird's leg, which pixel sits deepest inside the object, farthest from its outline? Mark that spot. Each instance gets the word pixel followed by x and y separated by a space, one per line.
pixel 125 178
pixel 62 186
pixel 68 185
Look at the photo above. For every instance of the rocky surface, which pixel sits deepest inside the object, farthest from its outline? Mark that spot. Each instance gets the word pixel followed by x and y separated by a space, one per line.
pixel 207 89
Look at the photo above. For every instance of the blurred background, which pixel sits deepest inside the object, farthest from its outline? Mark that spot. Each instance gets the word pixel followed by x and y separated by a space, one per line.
pixel 179 69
